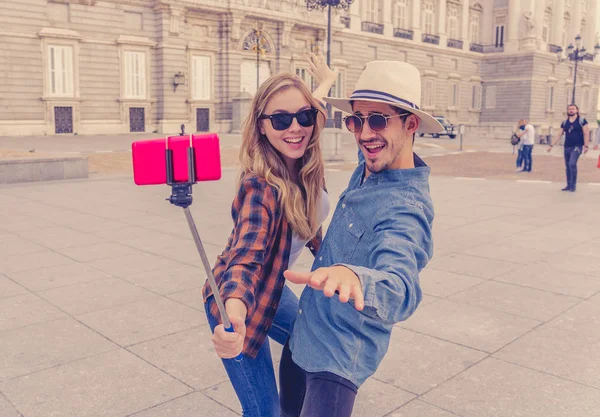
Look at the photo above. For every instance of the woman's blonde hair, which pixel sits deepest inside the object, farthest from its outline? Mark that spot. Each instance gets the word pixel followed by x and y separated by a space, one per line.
pixel 299 203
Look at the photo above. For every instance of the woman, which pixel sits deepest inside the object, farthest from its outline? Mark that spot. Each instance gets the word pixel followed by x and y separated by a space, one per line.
pixel 279 208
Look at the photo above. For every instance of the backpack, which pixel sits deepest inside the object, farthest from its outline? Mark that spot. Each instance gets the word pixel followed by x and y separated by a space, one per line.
pixel 514 140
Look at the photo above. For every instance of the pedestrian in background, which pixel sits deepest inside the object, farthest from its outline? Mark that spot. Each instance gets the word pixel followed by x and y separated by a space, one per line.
pixel 577 139
pixel 525 132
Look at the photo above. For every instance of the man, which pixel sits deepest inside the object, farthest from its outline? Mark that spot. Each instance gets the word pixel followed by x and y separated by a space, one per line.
pixel 526 132
pixel 366 274
pixel 577 138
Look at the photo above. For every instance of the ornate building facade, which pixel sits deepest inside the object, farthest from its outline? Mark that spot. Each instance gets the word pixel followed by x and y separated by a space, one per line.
pixel 108 66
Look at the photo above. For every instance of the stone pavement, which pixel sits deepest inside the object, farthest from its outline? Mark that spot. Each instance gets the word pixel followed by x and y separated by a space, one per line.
pixel 101 312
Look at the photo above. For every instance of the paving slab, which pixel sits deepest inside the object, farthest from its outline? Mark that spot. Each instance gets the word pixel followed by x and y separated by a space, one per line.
pixel 57 276
pixel 194 404
pixel 516 300
pixel 417 362
pixel 9 288
pixel 188 356
pixel 112 384
pixel 494 388
pixel 419 408
pixel 474 266
pixel 64 340
pixel 476 327
pixel 25 310
pixel 442 284
pixel 143 320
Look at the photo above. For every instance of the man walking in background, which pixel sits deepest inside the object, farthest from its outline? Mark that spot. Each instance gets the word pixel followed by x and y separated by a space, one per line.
pixel 577 138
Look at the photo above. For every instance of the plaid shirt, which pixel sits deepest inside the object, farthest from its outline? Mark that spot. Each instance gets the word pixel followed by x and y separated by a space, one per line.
pixel 251 266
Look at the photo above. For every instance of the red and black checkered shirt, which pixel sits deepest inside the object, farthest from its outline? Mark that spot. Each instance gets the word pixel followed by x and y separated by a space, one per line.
pixel 251 266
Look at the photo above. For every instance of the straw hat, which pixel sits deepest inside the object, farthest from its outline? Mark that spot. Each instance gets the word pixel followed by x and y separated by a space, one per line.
pixel 392 82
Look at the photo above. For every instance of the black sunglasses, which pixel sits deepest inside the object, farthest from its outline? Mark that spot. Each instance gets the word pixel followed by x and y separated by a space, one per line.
pixel 377 122
pixel 282 121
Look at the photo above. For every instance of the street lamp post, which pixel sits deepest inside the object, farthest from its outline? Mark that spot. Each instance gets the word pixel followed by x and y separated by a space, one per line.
pixel 259 48
pixel 576 54
pixel 330 4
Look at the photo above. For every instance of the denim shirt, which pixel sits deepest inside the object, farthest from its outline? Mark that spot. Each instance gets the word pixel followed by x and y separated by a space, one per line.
pixel 381 230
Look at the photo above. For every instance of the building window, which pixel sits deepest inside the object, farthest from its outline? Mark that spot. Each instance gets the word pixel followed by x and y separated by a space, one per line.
pixel 566 26
pixel 201 78
pixel 475 25
pixel 372 11
pixel 499 38
pixel 338 88
pixel 135 74
pixel 60 66
pixel 429 96
pixel 550 99
pixel 453 92
pixel 586 100
pixel 305 76
pixel 453 32
pixel 476 97
pixel 583 27
pixel 428 17
pixel 490 97
pixel 400 14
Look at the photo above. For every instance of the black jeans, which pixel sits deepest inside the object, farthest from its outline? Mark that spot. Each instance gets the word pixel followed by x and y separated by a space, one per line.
pixel 313 394
pixel 571 157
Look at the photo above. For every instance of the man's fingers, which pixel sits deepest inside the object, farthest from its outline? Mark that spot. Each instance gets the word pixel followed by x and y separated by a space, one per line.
pixel 318 278
pixel 297 277
pixel 344 293
pixel 331 286
pixel 359 300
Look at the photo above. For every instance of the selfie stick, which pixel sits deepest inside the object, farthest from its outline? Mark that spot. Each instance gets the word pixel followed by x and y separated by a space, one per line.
pixel 181 196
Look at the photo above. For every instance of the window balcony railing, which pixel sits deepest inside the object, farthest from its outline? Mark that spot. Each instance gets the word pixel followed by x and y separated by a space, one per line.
pixel 475 47
pixel 455 43
pixel 403 33
pixel 554 48
pixel 345 21
pixel 432 39
pixel 372 27
pixel 490 49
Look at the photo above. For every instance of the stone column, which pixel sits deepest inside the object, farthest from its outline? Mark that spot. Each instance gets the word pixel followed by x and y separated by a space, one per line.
pixel 590 37
pixel 514 17
pixel 464 33
pixel 487 23
pixel 558 23
pixel 576 22
pixel 416 20
pixel 538 13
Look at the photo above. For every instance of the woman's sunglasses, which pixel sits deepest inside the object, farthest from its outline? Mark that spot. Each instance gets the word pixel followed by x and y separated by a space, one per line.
pixel 377 122
pixel 282 121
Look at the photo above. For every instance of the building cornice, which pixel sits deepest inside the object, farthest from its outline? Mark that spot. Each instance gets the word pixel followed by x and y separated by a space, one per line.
pixel 135 40
pixel 57 33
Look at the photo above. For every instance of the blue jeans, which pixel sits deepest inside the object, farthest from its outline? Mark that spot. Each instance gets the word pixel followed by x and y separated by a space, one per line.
pixel 520 158
pixel 572 154
pixel 527 149
pixel 254 379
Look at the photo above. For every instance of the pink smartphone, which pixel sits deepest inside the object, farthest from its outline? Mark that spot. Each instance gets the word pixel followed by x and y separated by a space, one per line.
pixel 150 164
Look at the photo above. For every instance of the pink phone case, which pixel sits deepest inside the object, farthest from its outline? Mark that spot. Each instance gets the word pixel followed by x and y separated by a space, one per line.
pixel 149 162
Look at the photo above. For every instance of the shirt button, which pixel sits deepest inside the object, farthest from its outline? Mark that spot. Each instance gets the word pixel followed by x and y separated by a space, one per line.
pixel 350 225
pixel 320 258
pixel 267 327
pixel 344 205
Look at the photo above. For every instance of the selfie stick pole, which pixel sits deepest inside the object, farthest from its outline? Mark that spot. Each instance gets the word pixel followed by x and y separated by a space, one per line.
pixel 181 196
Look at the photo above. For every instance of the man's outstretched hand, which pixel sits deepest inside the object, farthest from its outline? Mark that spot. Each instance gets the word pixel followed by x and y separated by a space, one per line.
pixel 331 280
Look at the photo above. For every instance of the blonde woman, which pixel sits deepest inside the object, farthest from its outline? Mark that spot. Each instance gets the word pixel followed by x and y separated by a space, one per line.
pixel 279 208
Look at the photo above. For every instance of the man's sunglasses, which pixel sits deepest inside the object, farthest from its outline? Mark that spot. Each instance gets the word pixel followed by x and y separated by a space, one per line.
pixel 377 122
pixel 282 121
